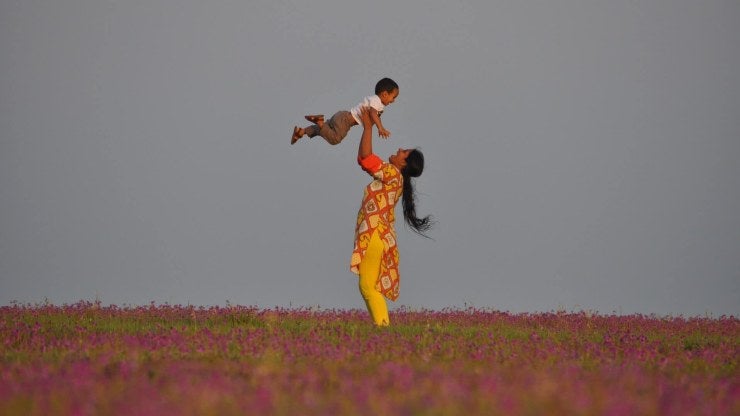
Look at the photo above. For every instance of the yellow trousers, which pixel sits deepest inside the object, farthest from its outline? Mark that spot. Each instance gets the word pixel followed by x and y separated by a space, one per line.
pixel 369 271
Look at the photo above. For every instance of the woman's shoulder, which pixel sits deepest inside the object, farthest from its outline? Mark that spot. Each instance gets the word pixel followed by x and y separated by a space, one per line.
pixel 390 169
pixel 391 175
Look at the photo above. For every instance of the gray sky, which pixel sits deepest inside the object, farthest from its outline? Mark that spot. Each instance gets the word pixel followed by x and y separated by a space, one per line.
pixel 581 155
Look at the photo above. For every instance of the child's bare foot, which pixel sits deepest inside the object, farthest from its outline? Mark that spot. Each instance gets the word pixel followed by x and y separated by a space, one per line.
pixel 317 119
pixel 297 134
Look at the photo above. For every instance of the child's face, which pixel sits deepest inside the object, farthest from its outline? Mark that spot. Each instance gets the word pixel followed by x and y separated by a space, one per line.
pixel 388 97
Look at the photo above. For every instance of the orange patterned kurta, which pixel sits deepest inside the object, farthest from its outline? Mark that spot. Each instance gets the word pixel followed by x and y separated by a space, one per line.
pixel 377 214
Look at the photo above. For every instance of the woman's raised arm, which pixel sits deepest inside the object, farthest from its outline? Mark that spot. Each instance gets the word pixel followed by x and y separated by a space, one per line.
pixel 366 141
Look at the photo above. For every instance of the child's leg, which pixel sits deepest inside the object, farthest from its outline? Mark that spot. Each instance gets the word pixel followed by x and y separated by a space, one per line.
pixel 335 129
pixel 317 119
pixel 297 134
pixel 369 271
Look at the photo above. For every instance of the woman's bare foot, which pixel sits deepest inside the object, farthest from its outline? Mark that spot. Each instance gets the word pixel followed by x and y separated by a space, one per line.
pixel 317 119
pixel 297 134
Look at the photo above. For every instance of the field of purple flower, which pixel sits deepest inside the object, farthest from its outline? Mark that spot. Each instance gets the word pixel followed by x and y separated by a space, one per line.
pixel 86 359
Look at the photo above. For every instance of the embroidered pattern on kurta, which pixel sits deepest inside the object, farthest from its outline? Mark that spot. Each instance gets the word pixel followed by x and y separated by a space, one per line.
pixel 377 214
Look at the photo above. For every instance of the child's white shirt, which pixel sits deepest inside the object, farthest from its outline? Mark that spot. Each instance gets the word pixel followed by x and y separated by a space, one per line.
pixel 369 101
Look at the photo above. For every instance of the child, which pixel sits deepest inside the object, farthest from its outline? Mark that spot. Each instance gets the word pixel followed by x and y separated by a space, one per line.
pixel 335 130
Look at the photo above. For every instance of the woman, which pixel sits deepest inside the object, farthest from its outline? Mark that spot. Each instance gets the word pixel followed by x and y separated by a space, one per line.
pixel 375 256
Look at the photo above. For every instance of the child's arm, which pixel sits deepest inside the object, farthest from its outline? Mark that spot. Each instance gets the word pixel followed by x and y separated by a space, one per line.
pixel 375 117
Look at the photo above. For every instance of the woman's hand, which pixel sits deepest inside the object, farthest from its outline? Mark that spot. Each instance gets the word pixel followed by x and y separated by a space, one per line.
pixel 365 116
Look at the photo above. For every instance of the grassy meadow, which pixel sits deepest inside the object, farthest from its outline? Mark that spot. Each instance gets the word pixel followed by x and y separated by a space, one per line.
pixel 88 359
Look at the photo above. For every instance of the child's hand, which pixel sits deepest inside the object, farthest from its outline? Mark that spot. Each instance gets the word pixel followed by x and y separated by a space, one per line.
pixel 384 133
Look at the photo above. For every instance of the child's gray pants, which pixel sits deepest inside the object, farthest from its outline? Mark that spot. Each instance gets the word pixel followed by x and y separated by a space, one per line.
pixel 335 129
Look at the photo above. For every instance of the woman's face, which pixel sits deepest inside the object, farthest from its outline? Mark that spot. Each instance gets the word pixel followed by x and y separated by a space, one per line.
pixel 399 159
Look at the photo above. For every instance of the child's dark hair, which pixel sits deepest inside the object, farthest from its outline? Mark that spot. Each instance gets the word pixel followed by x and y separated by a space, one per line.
pixel 414 167
pixel 385 84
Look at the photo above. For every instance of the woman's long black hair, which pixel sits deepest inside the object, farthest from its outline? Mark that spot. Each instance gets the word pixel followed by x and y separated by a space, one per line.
pixel 414 167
